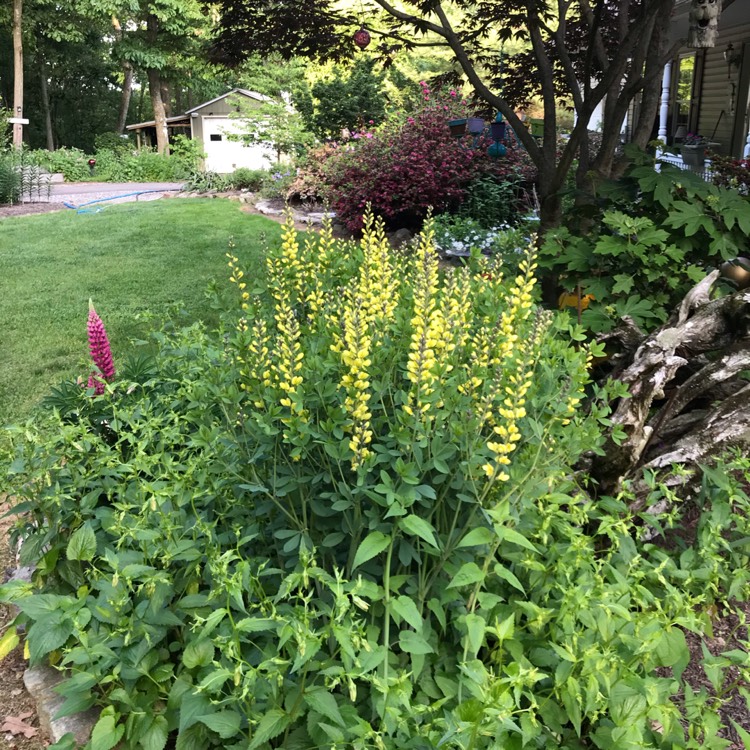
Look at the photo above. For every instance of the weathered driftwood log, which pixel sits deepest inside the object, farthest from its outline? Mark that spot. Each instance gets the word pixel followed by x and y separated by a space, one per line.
pixel 688 397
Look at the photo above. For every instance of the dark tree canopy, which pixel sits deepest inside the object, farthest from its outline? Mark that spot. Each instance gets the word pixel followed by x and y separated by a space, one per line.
pixel 585 51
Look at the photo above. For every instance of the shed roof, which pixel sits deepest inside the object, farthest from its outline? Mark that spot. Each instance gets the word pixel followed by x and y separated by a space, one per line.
pixel 172 122
pixel 244 92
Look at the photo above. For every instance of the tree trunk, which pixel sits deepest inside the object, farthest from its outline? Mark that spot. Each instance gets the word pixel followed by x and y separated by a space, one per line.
pixel 46 107
pixel 127 82
pixel 160 116
pixel 154 85
pixel 688 400
pixel 166 97
pixel 17 73
pixel 127 91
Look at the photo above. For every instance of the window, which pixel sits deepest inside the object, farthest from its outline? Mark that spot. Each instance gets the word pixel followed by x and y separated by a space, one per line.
pixel 215 136
pixel 684 91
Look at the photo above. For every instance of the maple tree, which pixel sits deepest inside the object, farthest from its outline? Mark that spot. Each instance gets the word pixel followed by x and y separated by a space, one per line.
pixel 584 51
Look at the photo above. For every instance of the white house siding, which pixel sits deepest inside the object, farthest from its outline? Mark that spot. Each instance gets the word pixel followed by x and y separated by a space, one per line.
pixel 714 95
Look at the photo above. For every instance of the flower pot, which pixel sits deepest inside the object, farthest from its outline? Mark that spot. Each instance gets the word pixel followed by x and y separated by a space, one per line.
pixel 458 127
pixel 694 156
pixel 475 125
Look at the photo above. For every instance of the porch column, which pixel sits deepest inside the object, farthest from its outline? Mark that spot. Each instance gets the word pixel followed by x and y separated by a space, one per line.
pixel 664 108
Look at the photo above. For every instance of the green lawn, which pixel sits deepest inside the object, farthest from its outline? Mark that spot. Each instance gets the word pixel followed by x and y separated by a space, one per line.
pixel 129 259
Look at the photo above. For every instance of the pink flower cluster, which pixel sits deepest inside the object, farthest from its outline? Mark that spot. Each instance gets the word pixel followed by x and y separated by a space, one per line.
pixel 101 352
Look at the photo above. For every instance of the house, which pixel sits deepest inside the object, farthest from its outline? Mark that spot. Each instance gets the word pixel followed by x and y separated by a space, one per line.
pixel 212 124
pixel 706 91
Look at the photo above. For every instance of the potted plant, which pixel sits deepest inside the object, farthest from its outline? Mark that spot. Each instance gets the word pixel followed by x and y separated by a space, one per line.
pixel 694 150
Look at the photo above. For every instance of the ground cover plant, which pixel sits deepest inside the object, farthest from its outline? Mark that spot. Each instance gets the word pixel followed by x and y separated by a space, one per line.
pixel 131 260
pixel 649 239
pixel 353 520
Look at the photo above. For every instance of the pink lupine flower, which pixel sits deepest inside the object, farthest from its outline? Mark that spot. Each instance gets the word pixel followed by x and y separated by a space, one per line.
pixel 101 352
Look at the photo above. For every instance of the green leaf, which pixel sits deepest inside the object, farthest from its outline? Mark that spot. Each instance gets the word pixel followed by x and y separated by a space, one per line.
pixel 467 574
pixel 323 703
pixel 511 535
pixel 44 637
pixel 82 544
pixel 413 643
pixel 225 723
pixel 106 734
pixel 407 610
pixel 623 283
pixel 507 575
pixel 198 654
pixel 478 537
pixel 672 651
pixel 255 625
pixel 155 737
pixel 569 696
pixel 744 735
pixel 273 723
pixel 417 526
pixel 373 544
pixel 504 630
pixel 475 629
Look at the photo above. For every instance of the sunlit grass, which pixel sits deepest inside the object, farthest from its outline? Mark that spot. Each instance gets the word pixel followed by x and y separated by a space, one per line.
pixel 132 260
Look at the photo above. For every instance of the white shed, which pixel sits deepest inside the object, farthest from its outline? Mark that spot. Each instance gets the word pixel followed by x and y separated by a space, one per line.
pixel 213 122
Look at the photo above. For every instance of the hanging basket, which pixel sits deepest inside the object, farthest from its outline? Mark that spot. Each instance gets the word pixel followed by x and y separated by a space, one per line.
pixel 361 38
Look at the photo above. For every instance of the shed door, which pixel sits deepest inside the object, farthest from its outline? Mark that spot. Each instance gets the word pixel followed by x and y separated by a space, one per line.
pixel 224 155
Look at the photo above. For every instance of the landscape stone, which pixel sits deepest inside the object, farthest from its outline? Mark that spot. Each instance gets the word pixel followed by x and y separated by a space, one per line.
pixel 40 682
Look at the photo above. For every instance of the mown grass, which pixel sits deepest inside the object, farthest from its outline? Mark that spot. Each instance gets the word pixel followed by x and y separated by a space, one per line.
pixel 132 260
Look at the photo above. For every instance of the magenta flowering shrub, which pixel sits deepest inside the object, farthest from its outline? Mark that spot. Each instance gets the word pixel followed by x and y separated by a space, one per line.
pixel 409 164
pixel 101 352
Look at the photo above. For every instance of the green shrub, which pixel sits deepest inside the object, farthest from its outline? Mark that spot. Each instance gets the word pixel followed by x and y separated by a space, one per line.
pixel 122 164
pixel 351 520
pixel 114 142
pixel 206 182
pixel 491 200
pixel 649 241
pixel 248 179
pixel 10 179
pixel 72 163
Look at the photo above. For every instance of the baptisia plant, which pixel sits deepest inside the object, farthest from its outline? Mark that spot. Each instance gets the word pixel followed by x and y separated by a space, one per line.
pixel 352 520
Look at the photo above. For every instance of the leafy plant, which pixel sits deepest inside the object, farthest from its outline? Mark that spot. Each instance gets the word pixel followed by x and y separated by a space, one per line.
pixel 462 237
pixel 10 179
pixel 207 181
pixel 731 173
pixel 351 520
pixel 658 233
pixel 409 164
pixel 248 179
pixel 491 200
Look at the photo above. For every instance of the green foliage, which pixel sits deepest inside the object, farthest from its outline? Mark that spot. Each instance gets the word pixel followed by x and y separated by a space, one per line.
pixel 346 100
pixel 122 164
pixel 658 235
pixel 10 179
pixel 202 181
pixel 113 142
pixel 248 179
pixel 304 533
pixel 492 199
pixel 274 124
